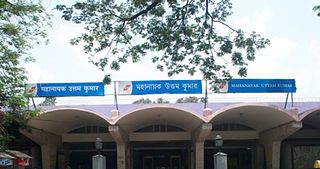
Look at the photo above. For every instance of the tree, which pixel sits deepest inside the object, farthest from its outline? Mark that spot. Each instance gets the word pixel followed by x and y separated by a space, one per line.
pixel 317 9
pixel 162 101
pixel 181 35
pixel 49 101
pixel 22 25
pixel 142 101
pixel 148 101
pixel 190 99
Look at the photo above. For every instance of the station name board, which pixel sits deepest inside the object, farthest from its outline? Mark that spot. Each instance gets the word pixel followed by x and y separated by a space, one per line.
pixel 65 89
pixel 257 86
pixel 160 87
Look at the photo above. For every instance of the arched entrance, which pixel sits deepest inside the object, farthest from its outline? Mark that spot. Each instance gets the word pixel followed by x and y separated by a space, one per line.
pixel 169 152
pixel 160 137
pixel 301 149
pixel 79 147
pixel 240 151
pixel 67 136
pixel 252 132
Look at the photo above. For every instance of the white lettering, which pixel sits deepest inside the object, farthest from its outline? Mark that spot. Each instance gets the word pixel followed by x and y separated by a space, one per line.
pixel 74 88
pixel 148 86
pixel 53 89
pixel 244 85
pixel 90 88
pixel 187 86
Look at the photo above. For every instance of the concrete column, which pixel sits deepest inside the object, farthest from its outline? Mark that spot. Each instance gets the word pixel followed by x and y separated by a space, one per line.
pixel 48 143
pixel 272 138
pixel 272 157
pixel 121 155
pixel 49 155
pixel 199 136
pixel 199 155
pixel 122 141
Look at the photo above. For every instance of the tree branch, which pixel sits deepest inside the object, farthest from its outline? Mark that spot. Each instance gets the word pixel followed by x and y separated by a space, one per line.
pixel 184 16
pixel 224 24
pixel 151 6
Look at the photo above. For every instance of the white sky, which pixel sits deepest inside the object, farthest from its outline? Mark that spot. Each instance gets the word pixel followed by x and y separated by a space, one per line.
pixel 291 25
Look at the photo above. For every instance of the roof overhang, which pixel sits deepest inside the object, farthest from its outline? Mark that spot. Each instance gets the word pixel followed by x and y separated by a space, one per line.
pixel 59 121
pixel 257 116
pixel 311 117
pixel 137 119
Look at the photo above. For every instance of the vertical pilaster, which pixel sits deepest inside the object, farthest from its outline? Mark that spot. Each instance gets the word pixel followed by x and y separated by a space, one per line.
pixel 48 143
pixel 121 140
pixel 49 155
pixel 272 151
pixel 199 155
pixel 199 136
pixel 121 155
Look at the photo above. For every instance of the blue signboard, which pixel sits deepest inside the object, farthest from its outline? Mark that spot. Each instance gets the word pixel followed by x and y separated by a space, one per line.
pixel 160 87
pixel 258 86
pixel 66 89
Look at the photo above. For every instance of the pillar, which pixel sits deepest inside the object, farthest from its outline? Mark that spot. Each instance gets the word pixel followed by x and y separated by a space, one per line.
pixel 49 155
pixel 199 155
pixel 48 143
pixel 199 136
pixel 272 154
pixel 122 142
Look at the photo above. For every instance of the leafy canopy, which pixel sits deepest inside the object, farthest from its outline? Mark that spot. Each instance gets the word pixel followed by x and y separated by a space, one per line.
pixel 177 35
pixel 49 101
pixel 148 101
pixel 22 25
pixel 190 99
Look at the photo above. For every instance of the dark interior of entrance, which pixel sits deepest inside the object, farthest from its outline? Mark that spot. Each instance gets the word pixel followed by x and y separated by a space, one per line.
pixel 79 155
pixel 239 154
pixel 166 155
pixel 160 159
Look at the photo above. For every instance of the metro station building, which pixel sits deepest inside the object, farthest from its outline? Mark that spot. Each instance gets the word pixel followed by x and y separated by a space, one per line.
pixel 177 136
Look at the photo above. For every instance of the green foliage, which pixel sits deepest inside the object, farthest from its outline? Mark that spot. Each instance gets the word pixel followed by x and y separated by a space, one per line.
pixel 22 25
pixel 4 141
pixel 148 101
pixel 162 101
pixel 190 99
pixel 49 101
pixel 182 36
pixel 142 101
pixel 317 9
pixel 107 80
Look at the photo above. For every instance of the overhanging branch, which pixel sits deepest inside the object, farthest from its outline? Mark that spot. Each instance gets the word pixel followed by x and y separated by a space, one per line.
pixel 224 24
pixel 151 6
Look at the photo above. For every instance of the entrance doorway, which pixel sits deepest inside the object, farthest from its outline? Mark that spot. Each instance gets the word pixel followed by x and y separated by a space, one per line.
pixel 162 162
pixel 160 155
pixel 160 159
